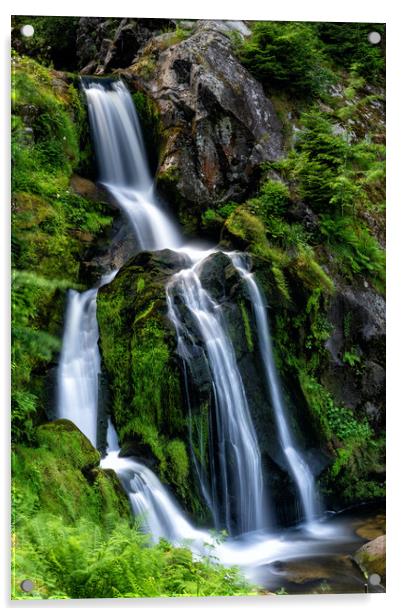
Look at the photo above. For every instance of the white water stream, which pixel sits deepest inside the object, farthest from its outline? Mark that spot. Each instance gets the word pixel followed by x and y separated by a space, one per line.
pixel 238 497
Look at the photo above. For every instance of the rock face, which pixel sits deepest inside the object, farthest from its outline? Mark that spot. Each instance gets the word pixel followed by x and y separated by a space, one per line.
pixel 106 44
pixel 356 373
pixel 219 125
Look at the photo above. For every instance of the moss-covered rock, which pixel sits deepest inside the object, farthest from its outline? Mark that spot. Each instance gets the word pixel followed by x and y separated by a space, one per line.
pixel 61 476
pixel 371 557
pixel 138 348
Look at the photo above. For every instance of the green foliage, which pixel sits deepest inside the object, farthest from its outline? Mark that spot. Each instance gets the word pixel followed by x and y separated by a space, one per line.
pixel 347 44
pixel 273 198
pixel 351 357
pixel 357 251
pixel 286 55
pixel 339 181
pixel 358 451
pixel 115 560
pixel 336 422
pixel 49 224
pixel 214 218
pixel 53 42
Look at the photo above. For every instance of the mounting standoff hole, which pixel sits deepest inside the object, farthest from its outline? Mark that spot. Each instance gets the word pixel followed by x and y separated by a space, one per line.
pixel 27 30
pixel 375 579
pixel 374 38
pixel 27 585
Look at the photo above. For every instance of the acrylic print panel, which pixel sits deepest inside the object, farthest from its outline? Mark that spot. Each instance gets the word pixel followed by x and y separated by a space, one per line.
pixel 198 217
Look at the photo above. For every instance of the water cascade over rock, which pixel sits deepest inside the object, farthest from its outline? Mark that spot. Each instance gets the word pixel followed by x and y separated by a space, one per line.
pixel 237 485
pixel 298 466
pixel 235 493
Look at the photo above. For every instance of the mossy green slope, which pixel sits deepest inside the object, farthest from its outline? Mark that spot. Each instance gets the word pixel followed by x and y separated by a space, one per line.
pixel 52 226
pixel 74 535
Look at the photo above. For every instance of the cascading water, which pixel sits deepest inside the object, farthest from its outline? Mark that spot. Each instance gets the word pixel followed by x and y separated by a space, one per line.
pixel 237 491
pixel 150 501
pixel 123 164
pixel 79 365
pixel 298 467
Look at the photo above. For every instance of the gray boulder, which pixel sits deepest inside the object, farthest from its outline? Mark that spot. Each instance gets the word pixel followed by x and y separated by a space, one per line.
pixel 217 122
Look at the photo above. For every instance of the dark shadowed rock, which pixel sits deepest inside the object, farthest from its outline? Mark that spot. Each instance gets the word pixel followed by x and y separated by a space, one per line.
pixel 356 371
pixel 104 44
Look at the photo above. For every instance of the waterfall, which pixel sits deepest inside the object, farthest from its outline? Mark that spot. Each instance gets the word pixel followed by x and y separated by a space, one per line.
pixel 150 501
pixel 235 493
pixel 123 168
pixel 238 474
pixel 79 364
pixel 297 465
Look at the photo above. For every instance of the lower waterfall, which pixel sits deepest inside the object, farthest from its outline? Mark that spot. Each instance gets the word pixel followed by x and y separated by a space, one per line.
pixel 237 488
pixel 298 467
pixel 157 512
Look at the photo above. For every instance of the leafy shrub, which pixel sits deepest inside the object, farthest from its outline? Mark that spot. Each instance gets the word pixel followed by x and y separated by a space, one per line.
pixel 53 42
pixel 286 55
pixel 348 45
pixel 115 560
pixel 357 251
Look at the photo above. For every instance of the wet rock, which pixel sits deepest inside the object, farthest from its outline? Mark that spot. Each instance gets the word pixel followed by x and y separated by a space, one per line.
pixel 88 189
pixel 302 213
pixel 371 557
pixel 218 123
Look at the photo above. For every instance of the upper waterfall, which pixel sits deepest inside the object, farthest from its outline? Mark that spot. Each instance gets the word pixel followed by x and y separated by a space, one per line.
pixel 123 167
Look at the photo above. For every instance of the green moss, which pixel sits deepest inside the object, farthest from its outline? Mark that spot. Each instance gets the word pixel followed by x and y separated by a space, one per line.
pixel 50 478
pixel 247 327
pixel 178 464
pixel 153 382
pixel 246 226
pixel 64 438
pixel 51 227
pixel 140 285
pixel 150 121
pixel 310 272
